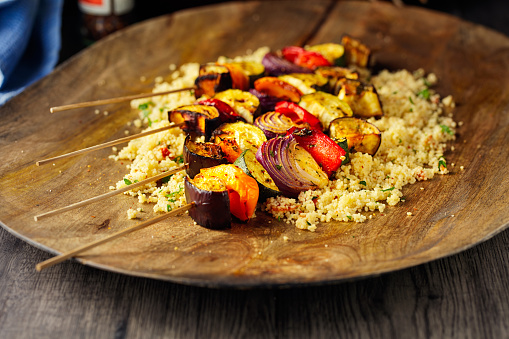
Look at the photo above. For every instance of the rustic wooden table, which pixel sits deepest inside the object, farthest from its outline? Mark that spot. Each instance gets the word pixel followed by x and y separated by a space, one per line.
pixel 461 296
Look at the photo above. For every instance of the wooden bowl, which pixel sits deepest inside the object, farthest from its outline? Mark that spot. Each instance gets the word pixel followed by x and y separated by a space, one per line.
pixel 470 61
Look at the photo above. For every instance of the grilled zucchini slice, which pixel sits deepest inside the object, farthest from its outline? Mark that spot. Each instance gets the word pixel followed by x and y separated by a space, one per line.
pixel 326 107
pixel 244 103
pixel 248 163
pixel 334 53
pixel 236 137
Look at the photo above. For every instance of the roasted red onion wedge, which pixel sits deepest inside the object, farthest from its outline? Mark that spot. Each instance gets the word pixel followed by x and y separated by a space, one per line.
pixel 291 167
pixel 274 124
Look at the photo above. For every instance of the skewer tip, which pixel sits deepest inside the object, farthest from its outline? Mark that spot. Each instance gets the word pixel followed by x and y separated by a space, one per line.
pixel 52 110
pixel 36 218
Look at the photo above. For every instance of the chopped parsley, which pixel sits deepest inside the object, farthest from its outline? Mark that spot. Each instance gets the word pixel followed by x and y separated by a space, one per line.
pixel 411 101
pixel 349 217
pixel 168 208
pixel 424 94
pixel 279 167
pixel 145 105
pixel 362 182
pixel 446 129
pixel 442 163
pixel 172 194
pixel 166 179
pixel 388 189
pixel 127 181
pixel 179 159
pixel 307 222
pixel 272 153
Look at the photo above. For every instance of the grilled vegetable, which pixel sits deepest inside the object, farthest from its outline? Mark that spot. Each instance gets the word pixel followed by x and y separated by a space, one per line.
pixel 201 155
pixel 304 58
pixel 248 163
pixel 199 119
pixel 303 87
pixel 356 53
pixel 323 149
pixel 226 112
pixel 240 80
pixel 360 134
pixel 212 78
pixel 244 103
pixel 326 107
pixel 237 137
pixel 314 81
pixel 298 114
pixel 274 124
pixel 334 75
pixel 334 53
pixel 291 167
pixel 212 204
pixel 362 98
pixel 277 88
pixel 253 70
pixel 267 102
pixel 275 66
pixel 242 189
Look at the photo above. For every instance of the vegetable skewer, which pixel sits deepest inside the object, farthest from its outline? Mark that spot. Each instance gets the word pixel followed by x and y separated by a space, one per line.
pixel 64 256
pixel 115 100
pixel 107 144
pixel 110 194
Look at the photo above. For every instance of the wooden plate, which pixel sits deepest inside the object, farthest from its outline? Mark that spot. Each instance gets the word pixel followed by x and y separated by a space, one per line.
pixel 471 62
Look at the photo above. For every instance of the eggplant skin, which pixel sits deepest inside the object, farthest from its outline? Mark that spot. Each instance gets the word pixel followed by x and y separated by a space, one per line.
pixel 201 155
pixel 211 209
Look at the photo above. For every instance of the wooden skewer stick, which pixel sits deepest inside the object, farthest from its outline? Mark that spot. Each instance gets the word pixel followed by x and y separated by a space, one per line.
pixel 64 256
pixel 110 194
pixel 115 100
pixel 107 144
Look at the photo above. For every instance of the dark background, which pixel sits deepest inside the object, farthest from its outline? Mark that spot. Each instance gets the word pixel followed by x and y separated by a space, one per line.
pixel 490 13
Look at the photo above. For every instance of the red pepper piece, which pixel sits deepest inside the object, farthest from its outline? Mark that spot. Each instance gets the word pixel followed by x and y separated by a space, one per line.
pixel 304 58
pixel 278 88
pixel 323 149
pixel 226 112
pixel 298 114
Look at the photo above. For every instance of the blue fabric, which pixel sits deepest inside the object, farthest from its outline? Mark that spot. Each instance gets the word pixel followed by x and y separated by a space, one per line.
pixel 29 42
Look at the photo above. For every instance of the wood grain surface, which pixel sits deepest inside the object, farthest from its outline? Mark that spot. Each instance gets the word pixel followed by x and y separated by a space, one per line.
pixel 470 61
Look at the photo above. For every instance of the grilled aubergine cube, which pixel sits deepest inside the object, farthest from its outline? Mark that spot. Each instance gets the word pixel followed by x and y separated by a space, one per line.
pixel 236 137
pixel 198 119
pixel 356 53
pixel 361 135
pixel 200 155
pixel 211 203
pixel 212 78
pixel 247 105
pixel 248 163
pixel 326 107
pixel 334 75
pixel 362 98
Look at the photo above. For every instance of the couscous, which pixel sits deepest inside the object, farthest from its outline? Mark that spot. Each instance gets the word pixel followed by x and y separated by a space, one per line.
pixel 415 126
